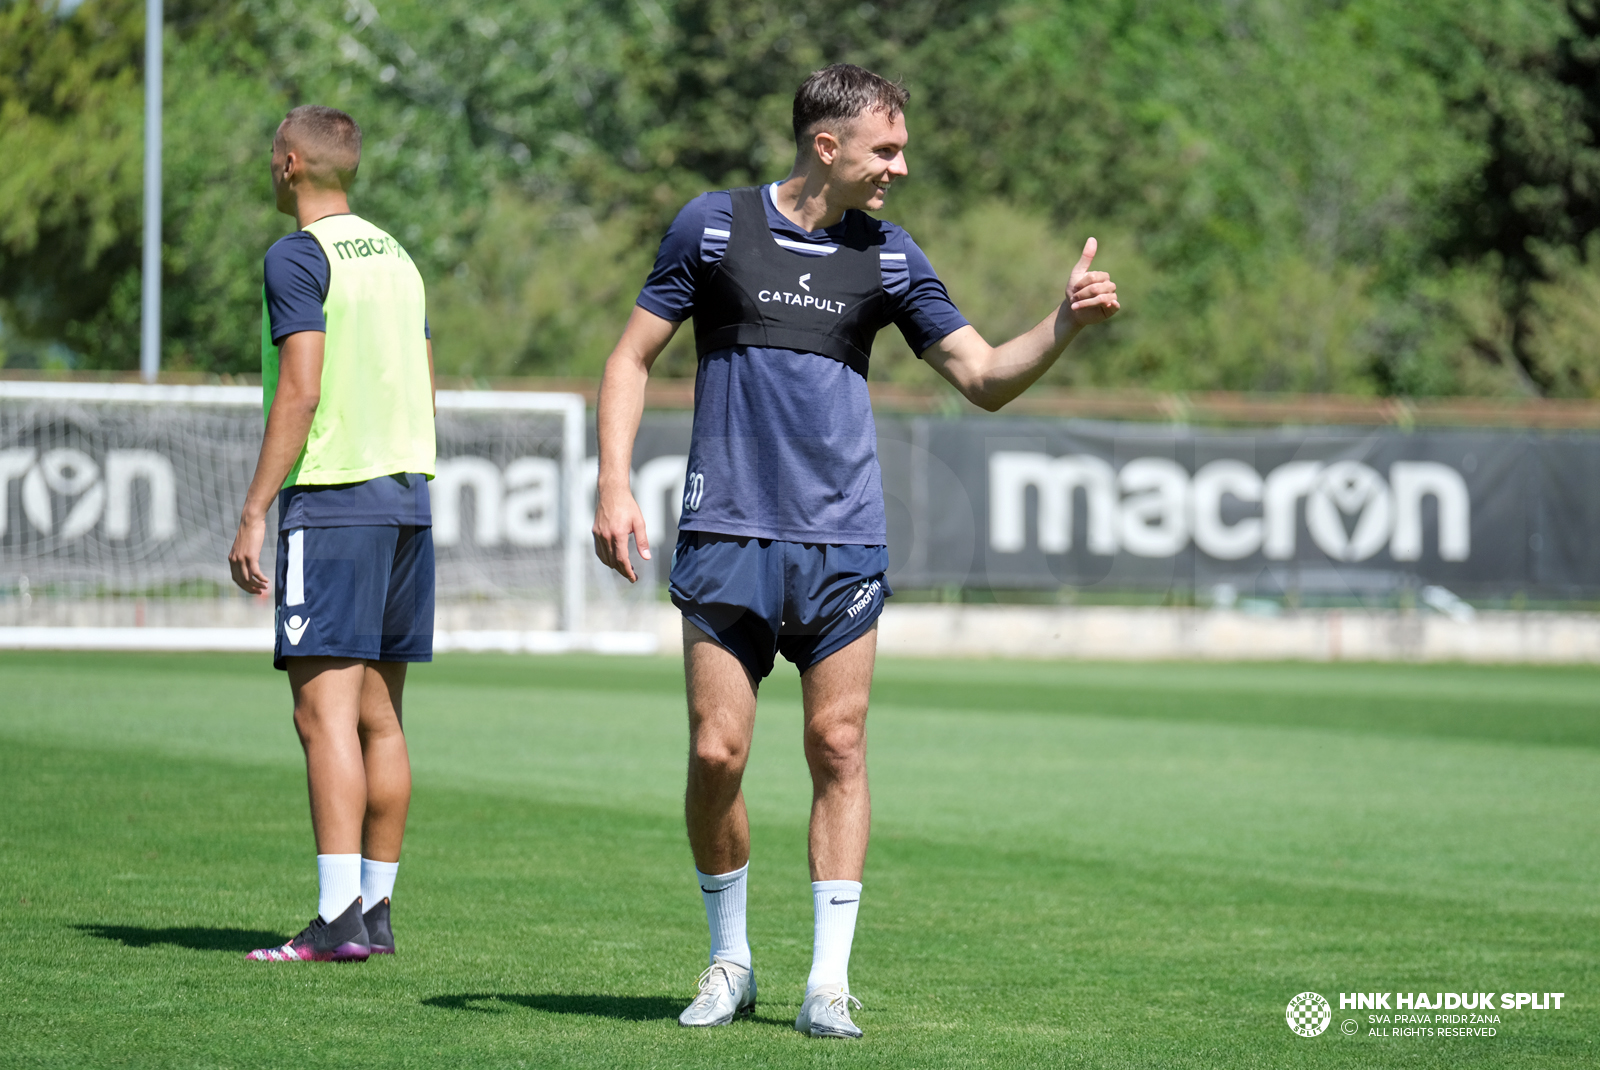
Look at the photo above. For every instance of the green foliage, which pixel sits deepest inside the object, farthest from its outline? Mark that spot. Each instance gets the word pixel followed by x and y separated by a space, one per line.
pixel 70 130
pixel 537 289
pixel 1371 196
pixel 1564 332
pixel 71 120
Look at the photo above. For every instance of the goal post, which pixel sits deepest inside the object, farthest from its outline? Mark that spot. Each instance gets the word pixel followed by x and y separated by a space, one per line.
pixel 119 502
pixel 574 497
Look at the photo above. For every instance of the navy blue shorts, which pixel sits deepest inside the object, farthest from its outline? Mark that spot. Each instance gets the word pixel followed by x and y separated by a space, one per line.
pixel 355 592
pixel 762 597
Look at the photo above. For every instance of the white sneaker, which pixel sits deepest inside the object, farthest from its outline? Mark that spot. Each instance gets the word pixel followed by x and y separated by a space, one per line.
pixel 727 991
pixel 826 1013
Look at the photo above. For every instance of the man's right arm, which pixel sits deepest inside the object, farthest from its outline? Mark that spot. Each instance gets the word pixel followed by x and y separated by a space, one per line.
pixel 991 376
pixel 294 406
pixel 617 415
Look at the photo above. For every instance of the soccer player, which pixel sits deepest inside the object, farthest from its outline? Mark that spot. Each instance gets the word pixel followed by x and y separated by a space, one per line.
pixel 781 545
pixel 347 377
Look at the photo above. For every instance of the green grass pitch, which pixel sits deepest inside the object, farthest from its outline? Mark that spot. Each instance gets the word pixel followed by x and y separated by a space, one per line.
pixel 1072 865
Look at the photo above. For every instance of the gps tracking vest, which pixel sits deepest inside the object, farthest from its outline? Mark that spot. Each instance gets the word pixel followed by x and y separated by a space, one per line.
pixel 761 294
pixel 375 417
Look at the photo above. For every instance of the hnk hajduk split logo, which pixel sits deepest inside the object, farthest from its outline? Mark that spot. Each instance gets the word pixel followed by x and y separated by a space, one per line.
pixel 1309 1014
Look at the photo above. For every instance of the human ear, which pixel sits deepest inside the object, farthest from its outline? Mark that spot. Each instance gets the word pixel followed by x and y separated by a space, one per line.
pixel 826 145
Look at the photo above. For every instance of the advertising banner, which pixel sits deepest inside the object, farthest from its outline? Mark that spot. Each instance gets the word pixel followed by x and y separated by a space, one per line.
pixel 98 494
pixel 131 490
pixel 1006 503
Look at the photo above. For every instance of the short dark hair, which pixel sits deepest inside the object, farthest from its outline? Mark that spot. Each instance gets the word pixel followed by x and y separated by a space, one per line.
pixel 843 92
pixel 328 138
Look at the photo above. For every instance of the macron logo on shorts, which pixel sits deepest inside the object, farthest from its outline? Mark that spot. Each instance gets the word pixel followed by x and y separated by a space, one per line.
pixel 864 598
pixel 295 627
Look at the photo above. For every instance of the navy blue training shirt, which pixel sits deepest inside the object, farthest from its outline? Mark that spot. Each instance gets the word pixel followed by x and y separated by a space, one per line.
pixel 297 275
pixel 784 444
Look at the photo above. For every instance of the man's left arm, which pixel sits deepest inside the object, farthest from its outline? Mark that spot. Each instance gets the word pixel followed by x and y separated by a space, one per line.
pixel 990 376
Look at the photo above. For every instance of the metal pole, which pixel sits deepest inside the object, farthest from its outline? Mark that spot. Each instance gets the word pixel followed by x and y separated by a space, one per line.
pixel 575 556
pixel 150 321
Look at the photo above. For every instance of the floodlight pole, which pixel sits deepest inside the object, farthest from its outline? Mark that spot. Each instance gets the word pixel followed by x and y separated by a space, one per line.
pixel 150 317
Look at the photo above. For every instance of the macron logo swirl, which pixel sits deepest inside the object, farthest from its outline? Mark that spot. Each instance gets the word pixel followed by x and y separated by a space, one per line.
pixel 804 300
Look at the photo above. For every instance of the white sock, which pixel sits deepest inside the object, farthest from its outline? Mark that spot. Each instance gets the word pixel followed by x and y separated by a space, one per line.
pixel 724 895
pixel 835 904
pixel 377 882
pixel 338 884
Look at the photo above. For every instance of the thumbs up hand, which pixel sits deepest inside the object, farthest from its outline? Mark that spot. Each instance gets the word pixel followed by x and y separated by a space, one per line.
pixel 1091 295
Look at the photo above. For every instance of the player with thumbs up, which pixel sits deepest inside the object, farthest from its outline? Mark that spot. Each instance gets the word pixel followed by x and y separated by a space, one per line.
pixel 782 537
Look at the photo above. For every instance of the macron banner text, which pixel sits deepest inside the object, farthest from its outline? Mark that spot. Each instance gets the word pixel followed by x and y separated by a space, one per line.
pixel 1000 502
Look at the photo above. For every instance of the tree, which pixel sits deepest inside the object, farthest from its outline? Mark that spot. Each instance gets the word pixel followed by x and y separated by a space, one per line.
pixel 1370 196
pixel 1534 203
pixel 70 126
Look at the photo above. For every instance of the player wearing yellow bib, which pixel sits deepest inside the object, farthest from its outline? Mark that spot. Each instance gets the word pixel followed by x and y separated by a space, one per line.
pixel 347 381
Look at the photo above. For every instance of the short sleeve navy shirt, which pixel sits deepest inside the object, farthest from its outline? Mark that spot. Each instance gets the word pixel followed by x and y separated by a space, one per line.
pixel 784 444
pixel 297 275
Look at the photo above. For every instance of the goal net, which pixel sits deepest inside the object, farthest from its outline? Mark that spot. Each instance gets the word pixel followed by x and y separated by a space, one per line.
pixel 119 503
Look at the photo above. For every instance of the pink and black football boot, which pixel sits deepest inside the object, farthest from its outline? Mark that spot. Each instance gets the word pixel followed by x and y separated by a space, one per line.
pixel 344 939
pixel 380 937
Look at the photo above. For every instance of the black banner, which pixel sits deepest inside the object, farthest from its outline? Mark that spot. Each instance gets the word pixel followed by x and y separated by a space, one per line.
pixel 1006 503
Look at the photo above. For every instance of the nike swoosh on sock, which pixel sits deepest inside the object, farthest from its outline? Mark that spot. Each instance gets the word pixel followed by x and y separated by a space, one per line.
pixel 714 891
pixel 841 902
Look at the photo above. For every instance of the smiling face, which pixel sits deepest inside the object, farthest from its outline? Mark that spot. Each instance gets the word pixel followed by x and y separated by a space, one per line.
pixel 867 157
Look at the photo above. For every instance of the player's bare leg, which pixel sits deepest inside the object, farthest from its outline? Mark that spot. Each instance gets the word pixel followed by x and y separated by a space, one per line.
pixel 327 715
pixel 722 712
pixel 722 717
pixel 358 773
pixel 384 757
pixel 836 692
pixel 388 766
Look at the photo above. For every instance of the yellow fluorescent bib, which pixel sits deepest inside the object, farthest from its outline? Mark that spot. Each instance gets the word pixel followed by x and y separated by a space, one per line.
pixel 375 417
